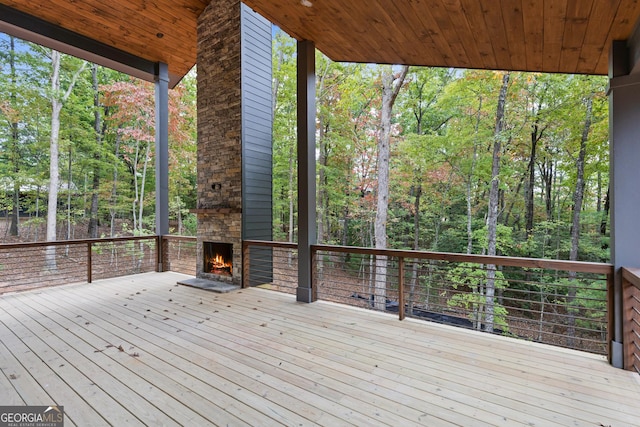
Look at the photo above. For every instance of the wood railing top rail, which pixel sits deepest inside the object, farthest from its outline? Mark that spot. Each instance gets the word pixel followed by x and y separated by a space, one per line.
pixel 75 242
pixel 632 275
pixel 182 238
pixel 285 245
pixel 551 264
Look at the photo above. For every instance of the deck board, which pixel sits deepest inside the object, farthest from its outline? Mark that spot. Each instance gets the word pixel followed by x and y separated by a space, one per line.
pixel 256 357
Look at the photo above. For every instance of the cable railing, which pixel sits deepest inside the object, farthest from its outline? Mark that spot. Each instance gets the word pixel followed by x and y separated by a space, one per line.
pixel 179 254
pixel 562 303
pixel 556 302
pixel 26 266
pixel 270 265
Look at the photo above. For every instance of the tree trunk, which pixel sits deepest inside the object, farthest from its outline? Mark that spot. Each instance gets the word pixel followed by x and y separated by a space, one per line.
pixel 507 217
pixel 530 183
pixel 114 191
pixel 599 192
pixel 69 177
pixel 291 204
pixel 93 210
pixel 575 224
pixel 37 232
pixel 323 202
pixel 416 246
pixel 142 185
pixel 390 88
pixel 492 217
pixel 548 176
pixel 15 213
pixel 57 101
pixel 605 214
pixel 470 178
pixel 323 195
pixel 291 194
pixel 52 204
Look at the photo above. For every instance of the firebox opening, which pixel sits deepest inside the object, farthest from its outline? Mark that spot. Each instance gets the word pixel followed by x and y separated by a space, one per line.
pixel 218 258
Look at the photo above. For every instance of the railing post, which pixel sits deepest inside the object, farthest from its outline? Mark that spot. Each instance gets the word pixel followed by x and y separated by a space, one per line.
pixel 159 254
pixel 245 265
pixel 89 263
pixel 611 316
pixel 401 312
pixel 313 254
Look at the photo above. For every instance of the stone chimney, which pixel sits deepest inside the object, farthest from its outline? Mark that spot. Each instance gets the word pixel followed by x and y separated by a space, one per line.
pixel 234 133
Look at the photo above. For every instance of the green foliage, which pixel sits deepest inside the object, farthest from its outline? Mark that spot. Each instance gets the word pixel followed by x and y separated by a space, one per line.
pixel 470 282
pixel 504 238
pixel 190 223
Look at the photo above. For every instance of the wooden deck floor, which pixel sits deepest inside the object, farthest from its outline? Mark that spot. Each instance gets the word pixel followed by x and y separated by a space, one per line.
pixel 139 350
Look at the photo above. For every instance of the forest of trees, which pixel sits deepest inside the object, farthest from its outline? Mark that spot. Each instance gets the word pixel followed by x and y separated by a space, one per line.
pixel 470 161
pixel 481 162
pixel 77 147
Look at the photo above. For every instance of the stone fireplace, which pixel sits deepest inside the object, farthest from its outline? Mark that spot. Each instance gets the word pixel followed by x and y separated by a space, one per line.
pixel 234 137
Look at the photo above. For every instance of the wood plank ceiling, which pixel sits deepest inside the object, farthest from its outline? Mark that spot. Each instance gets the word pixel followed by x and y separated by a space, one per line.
pixel 570 36
pixel 155 30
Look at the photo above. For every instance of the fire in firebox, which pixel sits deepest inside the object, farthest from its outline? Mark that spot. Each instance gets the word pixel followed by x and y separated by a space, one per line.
pixel 218 258
pixel 217 265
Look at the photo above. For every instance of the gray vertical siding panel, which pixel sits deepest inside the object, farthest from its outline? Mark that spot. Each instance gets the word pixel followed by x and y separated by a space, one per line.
pixel 257 128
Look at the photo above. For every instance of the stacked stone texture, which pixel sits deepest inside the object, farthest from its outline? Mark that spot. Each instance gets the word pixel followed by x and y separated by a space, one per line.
pixel 220 130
